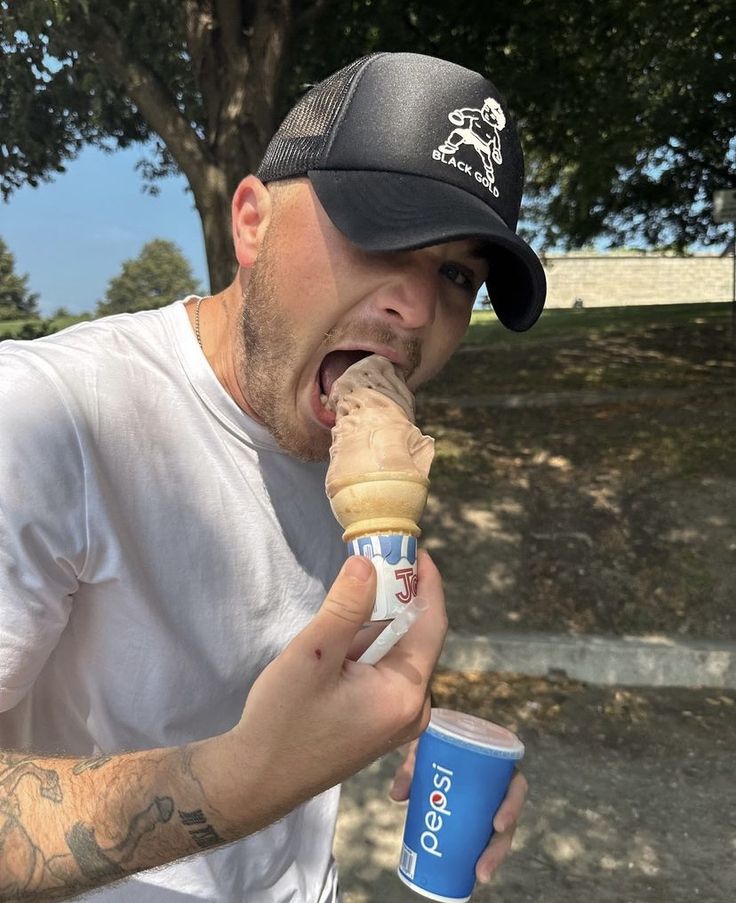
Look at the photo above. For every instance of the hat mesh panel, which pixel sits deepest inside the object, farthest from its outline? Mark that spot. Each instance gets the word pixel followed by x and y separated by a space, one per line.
pixel 301 137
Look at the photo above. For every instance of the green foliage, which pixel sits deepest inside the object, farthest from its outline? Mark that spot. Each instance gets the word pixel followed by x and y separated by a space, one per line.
pixel 627 111
pixel 15 299
pixel 54 95
pixel 641 116
pixel 35 329
pixel 26 329
pixel 158 276
pixel 627 108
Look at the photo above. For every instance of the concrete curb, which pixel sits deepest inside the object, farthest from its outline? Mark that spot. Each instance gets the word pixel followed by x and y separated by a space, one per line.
pixel 656 661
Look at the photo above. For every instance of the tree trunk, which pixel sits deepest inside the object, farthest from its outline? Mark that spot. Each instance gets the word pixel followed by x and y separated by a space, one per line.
pixel 213 205
pixel 238 54
pixel 248 60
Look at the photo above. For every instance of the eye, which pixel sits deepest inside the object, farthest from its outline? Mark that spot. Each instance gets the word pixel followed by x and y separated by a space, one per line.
pixel 459 276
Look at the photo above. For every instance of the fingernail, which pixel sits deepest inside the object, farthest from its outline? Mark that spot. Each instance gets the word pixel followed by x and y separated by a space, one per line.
pixel 358 568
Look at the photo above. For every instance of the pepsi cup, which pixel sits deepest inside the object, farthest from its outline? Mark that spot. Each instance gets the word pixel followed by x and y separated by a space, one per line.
pixel 463 769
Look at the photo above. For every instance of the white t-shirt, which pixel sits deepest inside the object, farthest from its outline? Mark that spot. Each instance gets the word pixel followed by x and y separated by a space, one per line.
pixel 157 550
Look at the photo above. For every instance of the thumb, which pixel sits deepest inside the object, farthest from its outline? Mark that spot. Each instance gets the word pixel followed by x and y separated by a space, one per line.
pixel 347 606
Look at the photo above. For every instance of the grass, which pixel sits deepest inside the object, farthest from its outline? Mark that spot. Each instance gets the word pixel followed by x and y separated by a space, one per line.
pixel 485 328
pixel 597 513
pixel 607 349
pixel 9 329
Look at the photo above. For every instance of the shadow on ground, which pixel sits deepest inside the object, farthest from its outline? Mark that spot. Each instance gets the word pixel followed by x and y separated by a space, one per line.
pixel 611 516
pixel 631 798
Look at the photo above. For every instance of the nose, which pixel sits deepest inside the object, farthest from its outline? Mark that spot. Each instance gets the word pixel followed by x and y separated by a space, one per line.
pixel 408 297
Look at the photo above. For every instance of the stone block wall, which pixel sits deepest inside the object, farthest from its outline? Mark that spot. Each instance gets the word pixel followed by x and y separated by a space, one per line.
pixel 613 280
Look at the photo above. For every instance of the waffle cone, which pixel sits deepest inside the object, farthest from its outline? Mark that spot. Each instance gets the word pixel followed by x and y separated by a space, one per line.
pixel 378 502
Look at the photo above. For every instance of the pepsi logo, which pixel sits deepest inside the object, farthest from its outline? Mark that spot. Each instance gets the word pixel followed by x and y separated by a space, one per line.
pixel 438 811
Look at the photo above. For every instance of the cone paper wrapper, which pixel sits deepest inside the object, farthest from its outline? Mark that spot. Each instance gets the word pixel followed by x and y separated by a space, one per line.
pixel 394 556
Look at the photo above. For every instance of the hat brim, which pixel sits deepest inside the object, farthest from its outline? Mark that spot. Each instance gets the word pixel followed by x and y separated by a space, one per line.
pixel 388 211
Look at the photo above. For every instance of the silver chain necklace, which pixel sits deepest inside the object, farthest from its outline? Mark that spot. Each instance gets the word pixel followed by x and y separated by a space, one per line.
pixel 196 322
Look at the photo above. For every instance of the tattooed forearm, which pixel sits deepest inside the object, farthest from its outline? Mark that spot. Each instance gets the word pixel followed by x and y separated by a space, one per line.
pixel 90 858
pixel 86 764
pixel 69 825
pixel 47 778
pixel 202 833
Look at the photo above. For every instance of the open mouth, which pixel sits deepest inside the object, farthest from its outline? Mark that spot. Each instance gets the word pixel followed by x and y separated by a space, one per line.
pixel 333 366
pixel 331 369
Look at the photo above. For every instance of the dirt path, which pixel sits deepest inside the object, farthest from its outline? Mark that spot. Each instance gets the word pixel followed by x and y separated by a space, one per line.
pixel 632 797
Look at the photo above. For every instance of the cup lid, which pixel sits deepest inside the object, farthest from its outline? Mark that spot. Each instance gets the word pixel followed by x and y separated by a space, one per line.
pixel 469 729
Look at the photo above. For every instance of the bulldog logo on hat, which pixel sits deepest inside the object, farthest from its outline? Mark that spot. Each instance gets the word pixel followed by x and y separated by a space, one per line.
pixel 481 130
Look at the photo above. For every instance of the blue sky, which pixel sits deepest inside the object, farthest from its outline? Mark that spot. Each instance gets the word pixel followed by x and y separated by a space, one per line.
pixel 72 235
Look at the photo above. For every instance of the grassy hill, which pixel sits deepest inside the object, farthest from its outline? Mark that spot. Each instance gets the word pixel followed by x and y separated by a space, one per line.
pixel 585 475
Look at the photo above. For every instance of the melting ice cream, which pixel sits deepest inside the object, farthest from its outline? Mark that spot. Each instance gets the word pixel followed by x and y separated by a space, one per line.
pixel 379 460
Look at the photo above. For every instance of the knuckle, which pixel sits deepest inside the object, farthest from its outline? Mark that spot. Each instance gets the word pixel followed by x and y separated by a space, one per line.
pixel 343 605
pixel 412 716
pixel 420 714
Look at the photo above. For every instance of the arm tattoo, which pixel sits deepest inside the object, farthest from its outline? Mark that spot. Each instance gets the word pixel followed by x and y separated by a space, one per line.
pixel 99 864
pixel 27 868
pixel 30 869
pixel 27 859
pixel 202 833
pixel 88 764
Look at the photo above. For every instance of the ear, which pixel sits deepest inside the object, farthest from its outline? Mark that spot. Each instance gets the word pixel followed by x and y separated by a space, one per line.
pixel 251 214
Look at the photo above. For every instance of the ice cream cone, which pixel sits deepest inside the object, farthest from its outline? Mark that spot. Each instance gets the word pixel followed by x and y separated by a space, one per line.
pixel 378 502
pixel 377 481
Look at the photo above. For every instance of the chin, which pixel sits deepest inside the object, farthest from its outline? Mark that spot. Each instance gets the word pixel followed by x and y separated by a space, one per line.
pixel 309 455
pixel 305 445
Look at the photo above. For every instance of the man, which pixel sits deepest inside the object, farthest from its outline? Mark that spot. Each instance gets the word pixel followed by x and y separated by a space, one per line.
pixel 165 541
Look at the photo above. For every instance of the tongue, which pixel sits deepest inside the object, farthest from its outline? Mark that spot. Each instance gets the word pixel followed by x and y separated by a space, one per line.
pixel 335 364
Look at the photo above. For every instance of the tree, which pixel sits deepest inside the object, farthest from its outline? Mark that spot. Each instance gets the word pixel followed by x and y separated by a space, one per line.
pixel 627 114
pixel 16 301
pixel 160 274
pixel 644 132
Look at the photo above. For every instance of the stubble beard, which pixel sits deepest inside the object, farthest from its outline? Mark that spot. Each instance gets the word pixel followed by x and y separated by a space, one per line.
pixel 268 357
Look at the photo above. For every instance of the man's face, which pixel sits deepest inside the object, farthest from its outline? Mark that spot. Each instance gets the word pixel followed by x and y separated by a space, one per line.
pixel 313 298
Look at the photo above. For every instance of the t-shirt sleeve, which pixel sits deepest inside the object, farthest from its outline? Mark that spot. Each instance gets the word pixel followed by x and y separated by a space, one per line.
pixel 42 518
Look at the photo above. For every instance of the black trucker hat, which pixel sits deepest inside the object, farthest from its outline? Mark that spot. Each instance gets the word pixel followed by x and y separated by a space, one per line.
pixel 405 151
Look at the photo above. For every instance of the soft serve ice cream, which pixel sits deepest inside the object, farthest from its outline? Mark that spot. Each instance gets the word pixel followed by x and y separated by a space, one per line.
pixel 377 480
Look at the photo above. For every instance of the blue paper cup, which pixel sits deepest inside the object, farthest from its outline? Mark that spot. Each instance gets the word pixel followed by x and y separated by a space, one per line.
pixel 463 769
